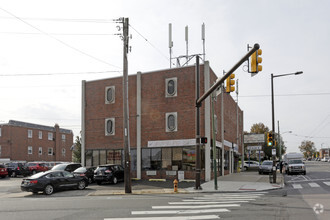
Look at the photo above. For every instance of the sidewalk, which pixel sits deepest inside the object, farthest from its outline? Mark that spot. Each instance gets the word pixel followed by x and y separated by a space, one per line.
pixel 248 181
pixel 239 182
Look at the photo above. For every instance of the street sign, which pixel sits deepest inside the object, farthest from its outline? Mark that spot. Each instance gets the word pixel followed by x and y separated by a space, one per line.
pixel 274 152
pixel 254 147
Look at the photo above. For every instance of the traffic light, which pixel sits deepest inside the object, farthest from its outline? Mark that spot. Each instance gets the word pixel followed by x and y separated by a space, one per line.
pixel 230 83
pixel 270 139
pixel 204 140
pixel 255 61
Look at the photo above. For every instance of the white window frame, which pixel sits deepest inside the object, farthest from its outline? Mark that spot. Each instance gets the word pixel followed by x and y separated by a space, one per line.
pixel 113 95
pixel 63 152
pixel 50 136
pixel 175 114
pixel 40 151
pixel 30 150
pixel 0 132
pixel 50 151
pixel 40 134
pixel 63 137
pixel 174 94
pixel 107 133
pixel 30 133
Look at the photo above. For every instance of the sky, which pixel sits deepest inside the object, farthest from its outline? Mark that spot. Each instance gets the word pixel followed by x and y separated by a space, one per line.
pixel 47 47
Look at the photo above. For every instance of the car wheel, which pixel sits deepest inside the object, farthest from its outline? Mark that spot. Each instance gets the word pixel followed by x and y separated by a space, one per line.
pixel 49 189
pixel 14 174
pixel 304 173
pixel 98 182
pixel 81 185
pixel 114 180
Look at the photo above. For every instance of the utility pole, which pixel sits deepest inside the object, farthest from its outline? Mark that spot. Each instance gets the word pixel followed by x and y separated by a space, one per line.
pixel 127 175
pixel 198 134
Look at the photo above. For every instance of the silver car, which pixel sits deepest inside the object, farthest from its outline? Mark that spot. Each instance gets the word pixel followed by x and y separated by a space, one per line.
pixel 266 167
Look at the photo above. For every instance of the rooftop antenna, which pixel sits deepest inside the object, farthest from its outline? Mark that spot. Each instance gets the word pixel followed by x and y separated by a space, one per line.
pixel 186 38
pixel 203 39
pixel 170 43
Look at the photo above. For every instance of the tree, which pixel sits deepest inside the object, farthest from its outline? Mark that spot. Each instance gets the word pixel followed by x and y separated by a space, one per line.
pixel 307 148
pixel 259 128
pixel 77 150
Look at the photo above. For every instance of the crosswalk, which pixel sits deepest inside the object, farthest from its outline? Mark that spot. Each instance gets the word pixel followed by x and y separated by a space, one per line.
pixel 208 206
pixel 309 185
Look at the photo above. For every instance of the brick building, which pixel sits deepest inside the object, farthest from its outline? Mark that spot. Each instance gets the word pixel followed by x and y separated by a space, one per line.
pixel 23 141
pixel 162 117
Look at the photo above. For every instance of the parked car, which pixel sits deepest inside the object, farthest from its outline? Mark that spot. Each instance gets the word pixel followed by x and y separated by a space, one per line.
pixel 88 172
pixel 51 180
pixel 325 159
pixel 266 167
pixel 109 173
pixel 17 168
pixel 251 164
pixel 70 167
pixel 36 167
pixel 3 171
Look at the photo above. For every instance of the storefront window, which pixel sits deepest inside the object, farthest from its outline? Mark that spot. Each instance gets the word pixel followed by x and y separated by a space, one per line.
pixel 110 157
pixel 146 165
pixel 103 159
pixel 133 160
pixel 117 158
pixel 89 155
pixel 226 166
pixel 188 158
pixel 95 158
pixel 177 159
pixel 156 159
pixel 166 159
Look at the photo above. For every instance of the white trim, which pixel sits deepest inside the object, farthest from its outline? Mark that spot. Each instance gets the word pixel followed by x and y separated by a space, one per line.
pixel 175 80
pixel 113 88
pixel 175 114
pixel 113 127
pixel 172 143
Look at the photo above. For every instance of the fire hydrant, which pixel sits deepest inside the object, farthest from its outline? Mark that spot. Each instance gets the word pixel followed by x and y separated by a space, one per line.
pixel 175 182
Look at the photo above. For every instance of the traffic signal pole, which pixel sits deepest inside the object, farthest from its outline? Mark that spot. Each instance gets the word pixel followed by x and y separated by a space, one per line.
pixel 199 101
pixel 273 131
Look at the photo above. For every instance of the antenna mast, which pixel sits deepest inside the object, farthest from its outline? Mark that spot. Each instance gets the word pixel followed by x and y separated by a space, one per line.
pixel 203 39
pixel 170 42
pixel 186 38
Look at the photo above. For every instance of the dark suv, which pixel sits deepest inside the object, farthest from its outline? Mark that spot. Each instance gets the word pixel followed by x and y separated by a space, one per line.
pixel 70 167
pixel 17 168
pixel 109 173
pixel 36 167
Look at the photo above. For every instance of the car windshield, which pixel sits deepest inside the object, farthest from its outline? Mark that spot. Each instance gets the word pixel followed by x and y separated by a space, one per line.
pixel 267 163
pixel 59 167
pixel 295 161
pixel 80 170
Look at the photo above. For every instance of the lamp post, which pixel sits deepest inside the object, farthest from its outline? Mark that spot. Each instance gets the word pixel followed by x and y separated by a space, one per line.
pixel 273 117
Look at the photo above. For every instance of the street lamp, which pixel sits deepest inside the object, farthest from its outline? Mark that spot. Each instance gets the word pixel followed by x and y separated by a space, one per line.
pixel 280 143
pixel 273 115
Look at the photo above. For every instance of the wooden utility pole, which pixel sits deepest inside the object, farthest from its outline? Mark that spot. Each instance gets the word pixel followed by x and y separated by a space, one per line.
pixel 127 177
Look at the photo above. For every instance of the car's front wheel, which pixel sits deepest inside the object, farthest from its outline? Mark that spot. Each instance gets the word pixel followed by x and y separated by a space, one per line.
pixel 49 189
pixel 114 180
pixel 81 185
pixel 98 182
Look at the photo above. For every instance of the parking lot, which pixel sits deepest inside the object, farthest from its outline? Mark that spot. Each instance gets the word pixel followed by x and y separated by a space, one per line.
pixel 10 187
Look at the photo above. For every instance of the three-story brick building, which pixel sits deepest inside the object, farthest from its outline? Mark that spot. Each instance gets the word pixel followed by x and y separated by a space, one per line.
pixel 162 117
pixel 23 141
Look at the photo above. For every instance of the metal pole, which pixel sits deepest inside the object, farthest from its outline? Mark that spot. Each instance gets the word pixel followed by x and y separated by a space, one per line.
pixel 214 145
pixel 279 139
pixel 273 130
pixel 127 174
pixel 198 137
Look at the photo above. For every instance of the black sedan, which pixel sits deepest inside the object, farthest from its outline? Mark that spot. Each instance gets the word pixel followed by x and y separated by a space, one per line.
pixel 88 172
pixel 50 181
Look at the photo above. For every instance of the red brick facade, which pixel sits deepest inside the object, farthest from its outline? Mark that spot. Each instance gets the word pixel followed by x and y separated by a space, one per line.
pixel 155 105
pixel 22 141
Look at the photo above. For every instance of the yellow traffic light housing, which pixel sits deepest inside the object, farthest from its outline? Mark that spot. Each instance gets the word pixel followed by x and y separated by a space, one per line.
pixel 256 61
pixel 230 83
pixel 270 139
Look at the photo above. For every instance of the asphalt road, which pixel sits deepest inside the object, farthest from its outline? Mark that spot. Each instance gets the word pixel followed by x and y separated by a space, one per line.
pixel 306 202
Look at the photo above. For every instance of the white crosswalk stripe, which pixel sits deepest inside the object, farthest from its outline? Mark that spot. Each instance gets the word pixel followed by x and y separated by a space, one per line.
pixel 212 205
pixel 314 184
pixel 297 186
pixel 309 185
pixel 327 183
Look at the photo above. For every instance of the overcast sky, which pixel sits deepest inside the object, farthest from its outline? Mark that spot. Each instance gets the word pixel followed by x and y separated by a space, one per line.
pixel 47 47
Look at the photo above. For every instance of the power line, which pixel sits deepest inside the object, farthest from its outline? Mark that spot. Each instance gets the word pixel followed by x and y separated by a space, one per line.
pixel 302 94
pixel 52 74
pixel 69 20
pixel 58 40
pixel 159 51
pixel 62 34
